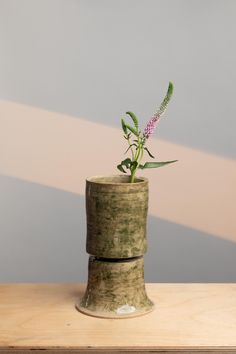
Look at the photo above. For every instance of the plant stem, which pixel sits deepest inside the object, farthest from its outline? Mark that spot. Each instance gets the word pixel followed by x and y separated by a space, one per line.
pixel 136 158
pixel 132 152
pixel 132 177
pixel 140 157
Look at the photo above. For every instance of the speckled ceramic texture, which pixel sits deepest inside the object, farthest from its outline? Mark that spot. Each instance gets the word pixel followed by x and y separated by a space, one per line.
pixel 116 241
pixel 115 289
pixel 116 216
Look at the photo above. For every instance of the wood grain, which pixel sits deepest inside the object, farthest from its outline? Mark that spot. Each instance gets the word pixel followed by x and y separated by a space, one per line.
pixel 188 318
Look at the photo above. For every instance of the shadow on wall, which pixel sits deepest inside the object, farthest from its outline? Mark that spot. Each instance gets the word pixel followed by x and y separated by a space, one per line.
pixel 44 232
pixel 181 254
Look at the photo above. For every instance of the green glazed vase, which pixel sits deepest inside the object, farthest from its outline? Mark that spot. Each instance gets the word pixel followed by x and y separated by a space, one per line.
pixel 116 242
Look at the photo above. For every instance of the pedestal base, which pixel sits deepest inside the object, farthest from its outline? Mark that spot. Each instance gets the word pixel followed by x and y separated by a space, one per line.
pixel 115 289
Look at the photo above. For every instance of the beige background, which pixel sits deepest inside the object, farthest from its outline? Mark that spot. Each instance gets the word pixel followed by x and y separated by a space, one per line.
pixel 70 69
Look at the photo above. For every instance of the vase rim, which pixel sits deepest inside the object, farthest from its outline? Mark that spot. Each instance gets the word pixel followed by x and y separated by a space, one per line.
pixel 115 180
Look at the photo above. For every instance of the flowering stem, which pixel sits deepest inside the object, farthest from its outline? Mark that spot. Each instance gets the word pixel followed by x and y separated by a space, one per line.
pixel 134 162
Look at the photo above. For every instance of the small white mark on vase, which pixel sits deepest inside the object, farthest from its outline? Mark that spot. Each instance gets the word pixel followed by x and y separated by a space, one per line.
pixel 125 309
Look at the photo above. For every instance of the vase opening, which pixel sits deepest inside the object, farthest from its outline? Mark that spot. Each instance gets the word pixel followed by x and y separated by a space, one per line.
pixel 116 179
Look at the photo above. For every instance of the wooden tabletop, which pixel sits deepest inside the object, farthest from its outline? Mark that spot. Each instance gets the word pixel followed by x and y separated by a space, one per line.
pixel 188 318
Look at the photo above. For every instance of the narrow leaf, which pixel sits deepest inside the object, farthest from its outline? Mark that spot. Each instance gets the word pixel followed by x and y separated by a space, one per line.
pixel 155 164
pixel 124 126
pixel 130 147
pixel 132 130
pixel 127 136
pixel 126 162
pixel 149 152
pixel 120 168
pixel 134 119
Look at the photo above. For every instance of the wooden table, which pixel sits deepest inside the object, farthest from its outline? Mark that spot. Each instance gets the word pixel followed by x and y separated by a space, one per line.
pixel 188 318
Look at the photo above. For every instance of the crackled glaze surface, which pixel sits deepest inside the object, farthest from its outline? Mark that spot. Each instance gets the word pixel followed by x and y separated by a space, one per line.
pixel 115 289
pixel 116 216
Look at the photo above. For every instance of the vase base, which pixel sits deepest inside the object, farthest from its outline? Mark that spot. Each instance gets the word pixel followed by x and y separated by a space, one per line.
pixel 123 312
pixel 115 289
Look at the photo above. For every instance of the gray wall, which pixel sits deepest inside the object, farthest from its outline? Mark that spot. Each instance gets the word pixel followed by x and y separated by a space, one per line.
pixel 95 59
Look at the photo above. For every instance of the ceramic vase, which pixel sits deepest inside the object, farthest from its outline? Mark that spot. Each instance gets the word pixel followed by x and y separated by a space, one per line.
pixel 116 241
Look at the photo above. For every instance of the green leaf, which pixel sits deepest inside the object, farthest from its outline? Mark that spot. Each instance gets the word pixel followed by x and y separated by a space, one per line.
pixel 120 168
pixel 127 136
pixel 127 162
pixel 134 164
pixel 124 126
pixel 166 100
pixel 134 118
pixel 149 152
pixel 130 147
pixel 132 130
pixel 155 164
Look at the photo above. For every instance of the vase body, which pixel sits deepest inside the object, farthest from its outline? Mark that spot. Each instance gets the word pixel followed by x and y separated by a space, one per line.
pixel 116 217
pixel 116 241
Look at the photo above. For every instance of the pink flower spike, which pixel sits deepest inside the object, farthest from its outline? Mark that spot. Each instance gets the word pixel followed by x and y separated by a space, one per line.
pixel 151 126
